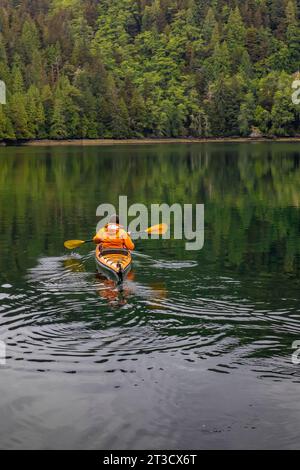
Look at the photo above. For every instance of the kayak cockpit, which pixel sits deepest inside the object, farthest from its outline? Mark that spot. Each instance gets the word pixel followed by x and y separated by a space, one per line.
pixel 114 263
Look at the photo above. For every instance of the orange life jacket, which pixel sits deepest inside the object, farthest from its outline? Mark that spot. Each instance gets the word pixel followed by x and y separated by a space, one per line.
pixel 113 236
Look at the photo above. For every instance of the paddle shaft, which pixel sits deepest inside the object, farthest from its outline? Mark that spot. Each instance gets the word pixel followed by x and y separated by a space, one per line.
pixel 156 229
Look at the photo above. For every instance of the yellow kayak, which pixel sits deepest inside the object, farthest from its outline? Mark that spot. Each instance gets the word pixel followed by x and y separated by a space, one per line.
pixel 114 263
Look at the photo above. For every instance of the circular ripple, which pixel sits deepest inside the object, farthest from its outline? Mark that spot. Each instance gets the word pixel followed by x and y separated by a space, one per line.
pixel 66 317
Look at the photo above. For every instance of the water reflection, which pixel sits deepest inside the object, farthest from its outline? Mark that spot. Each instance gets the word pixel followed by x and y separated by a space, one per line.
pixel 67 313
pixel 251 194
pixel 190 335
pixel 242 287
pixel 114 294
pixel 239 295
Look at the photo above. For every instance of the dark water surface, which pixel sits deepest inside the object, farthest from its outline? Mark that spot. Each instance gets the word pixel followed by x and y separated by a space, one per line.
pixel 196 351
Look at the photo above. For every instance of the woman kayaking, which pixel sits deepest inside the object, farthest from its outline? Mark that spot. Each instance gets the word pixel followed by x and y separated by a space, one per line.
pixel 113 236
pixel 114 245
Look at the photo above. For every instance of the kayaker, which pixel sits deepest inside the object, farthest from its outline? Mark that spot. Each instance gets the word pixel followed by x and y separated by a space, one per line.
pixel 113 235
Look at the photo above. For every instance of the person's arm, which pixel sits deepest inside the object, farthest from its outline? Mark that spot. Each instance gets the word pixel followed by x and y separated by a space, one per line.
pixel 128 242
pixel 98 238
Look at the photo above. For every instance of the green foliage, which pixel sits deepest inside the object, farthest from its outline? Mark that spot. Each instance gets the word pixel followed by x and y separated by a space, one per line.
pixel 35 112
pixel 262 119
pixel 19 116
pixel 246 115
pixel 148 68
pixel 224 104
pixel 6 128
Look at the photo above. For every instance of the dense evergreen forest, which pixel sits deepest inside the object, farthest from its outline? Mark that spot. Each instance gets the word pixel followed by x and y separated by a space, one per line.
pixel 134 68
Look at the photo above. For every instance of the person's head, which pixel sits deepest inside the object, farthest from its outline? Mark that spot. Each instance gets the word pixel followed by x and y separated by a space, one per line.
pixel 114 219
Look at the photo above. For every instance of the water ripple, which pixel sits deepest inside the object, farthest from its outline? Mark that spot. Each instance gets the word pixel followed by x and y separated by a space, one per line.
pixel 66 314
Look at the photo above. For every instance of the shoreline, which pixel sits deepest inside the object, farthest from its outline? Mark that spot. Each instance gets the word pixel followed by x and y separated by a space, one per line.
pixel 107 142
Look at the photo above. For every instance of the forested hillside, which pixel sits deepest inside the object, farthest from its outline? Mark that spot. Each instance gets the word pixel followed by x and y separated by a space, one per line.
pixel 134 68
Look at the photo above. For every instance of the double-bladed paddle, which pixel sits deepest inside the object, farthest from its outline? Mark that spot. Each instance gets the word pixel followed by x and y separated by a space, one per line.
pixel 159 229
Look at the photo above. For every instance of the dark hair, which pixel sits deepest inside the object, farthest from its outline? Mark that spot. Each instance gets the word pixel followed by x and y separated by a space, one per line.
pixel 114 219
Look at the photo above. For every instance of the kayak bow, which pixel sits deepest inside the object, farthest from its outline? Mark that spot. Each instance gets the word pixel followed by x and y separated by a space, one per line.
pixel 114 263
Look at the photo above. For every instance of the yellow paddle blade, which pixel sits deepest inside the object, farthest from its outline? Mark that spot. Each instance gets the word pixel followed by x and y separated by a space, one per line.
pixel 71 244
pixel 160 229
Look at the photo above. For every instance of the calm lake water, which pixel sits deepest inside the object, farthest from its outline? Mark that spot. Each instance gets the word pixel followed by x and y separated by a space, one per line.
pixel 196 350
